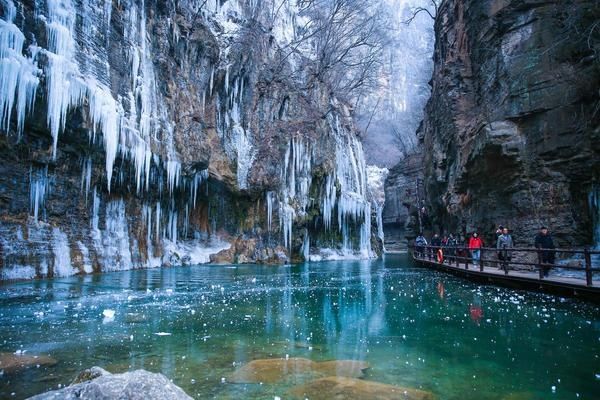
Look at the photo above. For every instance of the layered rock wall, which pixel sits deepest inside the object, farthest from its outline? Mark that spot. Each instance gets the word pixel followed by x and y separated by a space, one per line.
pixel 146 133
pixel 511 134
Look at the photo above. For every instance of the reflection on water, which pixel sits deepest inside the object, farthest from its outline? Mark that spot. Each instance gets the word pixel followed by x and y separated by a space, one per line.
pixel 416 328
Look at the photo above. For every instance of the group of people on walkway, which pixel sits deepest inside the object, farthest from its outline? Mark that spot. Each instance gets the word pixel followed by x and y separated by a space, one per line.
pixel 459 246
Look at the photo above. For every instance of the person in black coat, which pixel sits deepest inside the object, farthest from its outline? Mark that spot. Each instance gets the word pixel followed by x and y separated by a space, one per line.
pixel 543 240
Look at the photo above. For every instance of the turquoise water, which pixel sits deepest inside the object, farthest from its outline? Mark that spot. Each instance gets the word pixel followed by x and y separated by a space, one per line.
pixel 415 327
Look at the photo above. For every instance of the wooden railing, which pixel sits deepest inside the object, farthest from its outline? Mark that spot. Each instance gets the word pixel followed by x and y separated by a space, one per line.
pixel 514 259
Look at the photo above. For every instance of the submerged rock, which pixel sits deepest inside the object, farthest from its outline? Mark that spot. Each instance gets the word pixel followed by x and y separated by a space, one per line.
pixel 12 363
pixel 337 387
pixel 347 368
pixel 90 374
pixel 96 383
pixel 279 369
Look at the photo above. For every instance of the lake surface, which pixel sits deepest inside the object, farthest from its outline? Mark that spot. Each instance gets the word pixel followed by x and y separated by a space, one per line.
pixel 415 327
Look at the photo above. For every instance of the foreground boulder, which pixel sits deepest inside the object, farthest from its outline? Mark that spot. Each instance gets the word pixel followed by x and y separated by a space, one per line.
pixel 96 383
pixel 337 387
pixel 275 370
pixel 12 363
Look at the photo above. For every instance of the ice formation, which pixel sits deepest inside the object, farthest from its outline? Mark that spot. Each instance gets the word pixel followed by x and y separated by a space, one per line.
pixel 296 177
pixel 376 185
pixel 345 189
pixel 19 74
pixel 38 188
pixel 133 126
pixel 62 254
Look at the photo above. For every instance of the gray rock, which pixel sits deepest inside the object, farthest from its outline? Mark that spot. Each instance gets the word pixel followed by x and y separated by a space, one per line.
pixel 96 383
pixel 510 134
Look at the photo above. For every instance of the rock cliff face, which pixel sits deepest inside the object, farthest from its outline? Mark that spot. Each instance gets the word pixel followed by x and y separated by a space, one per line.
pixel 145 133
pixel 405 197
pixel 511 134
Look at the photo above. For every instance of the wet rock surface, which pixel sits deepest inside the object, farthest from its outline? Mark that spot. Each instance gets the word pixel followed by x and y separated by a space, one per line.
pixel 511 132
pixel 96 383
pixel 338 387
pixel 14 363
pixel 296 370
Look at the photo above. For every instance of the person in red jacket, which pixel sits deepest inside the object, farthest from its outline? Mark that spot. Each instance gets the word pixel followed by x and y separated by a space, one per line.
pixel 475 245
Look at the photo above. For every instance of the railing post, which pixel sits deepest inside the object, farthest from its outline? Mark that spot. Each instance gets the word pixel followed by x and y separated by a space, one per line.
pixel 505 261
pixel 541 270
pixel 457 256
pixel 588 266
pixel 481 253
pixel 468 255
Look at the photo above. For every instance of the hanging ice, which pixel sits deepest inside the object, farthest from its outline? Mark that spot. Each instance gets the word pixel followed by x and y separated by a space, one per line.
pixel 270 200
pixel 38 187
pixel 18 74
pixel 296 178
pixel 237 139
pixel 306 246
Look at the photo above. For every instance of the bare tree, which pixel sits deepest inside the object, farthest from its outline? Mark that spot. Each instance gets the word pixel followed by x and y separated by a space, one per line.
pixel 340 44
pixel 348 37
pixel 432 11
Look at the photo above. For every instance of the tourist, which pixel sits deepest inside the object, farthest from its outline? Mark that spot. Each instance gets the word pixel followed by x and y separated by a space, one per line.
pixel 420 243
pixel 461 243
pixel 503 243
pixel 475 245
pixel 499 231
pixel 451 243
pixel 436 243
pixel 543 240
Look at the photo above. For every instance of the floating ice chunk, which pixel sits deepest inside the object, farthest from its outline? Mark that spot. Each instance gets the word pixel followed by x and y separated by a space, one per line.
pixel 163 334
pixel 109 315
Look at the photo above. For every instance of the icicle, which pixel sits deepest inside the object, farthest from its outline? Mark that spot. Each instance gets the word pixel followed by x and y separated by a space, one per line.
pixel 186 221
pixel 95 210
pixel 18 74
pixel 172 225
pixel 306 246
pixel 296 177
pixel 212 80
pixel 86 176
pixel 328 201
pixel 286 219
pixel 270 199
pixel 173 174
pixel 157 218
pixel 38 187
pixel 197 180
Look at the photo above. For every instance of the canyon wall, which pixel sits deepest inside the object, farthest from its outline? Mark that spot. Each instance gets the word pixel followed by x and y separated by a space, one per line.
pixel 511 133
pixel 147 133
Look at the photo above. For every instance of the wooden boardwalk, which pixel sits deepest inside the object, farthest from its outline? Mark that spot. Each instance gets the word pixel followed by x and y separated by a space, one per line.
pixel 516 278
